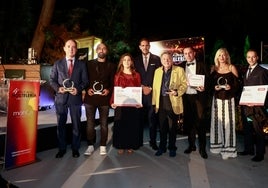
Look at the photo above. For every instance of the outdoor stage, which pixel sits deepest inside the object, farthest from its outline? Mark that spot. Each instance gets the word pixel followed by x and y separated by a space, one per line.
pixel 46 128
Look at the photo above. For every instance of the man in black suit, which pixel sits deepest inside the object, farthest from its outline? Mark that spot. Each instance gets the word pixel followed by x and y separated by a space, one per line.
pixel 195 102
pixel 68 79
pixel 146 63
pixel 254 117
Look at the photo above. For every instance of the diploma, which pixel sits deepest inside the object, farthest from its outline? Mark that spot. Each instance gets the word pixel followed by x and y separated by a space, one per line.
pixel 128 96
pixel 196 80
pixel 253 95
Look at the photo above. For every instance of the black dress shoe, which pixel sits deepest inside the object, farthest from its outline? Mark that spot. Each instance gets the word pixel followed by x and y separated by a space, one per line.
pixel 154 146
pixel 243 153
pixel 189 150
pixel 203 153
pixel 159 152
pixel 60 154
pixel 76 154
pixel 257 158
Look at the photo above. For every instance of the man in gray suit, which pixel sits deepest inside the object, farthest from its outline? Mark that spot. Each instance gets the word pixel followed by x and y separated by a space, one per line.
pixel 68 79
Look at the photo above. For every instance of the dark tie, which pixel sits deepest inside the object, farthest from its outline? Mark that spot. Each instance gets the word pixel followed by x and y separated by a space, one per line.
pixel 70 69
pixel 190 63
pixel 249 71
pixel 145 62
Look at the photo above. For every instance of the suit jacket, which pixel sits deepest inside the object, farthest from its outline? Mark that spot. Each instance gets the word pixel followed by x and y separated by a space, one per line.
pixel 178 81
pixel 59 73
pixel 147 76
pixel 202 69
pixel 258 76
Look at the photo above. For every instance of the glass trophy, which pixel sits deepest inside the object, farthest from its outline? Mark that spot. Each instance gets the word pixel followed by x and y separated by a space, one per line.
pixel 68 85
pixel 98 88
pixel 172 87
pixel 222 82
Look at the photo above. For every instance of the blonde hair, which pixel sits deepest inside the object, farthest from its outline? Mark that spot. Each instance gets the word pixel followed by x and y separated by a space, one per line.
pixel 225 51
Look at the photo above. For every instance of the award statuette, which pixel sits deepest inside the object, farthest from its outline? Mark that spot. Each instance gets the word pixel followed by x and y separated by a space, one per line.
pixel 97 87
pixel 68 85
pixel 222 82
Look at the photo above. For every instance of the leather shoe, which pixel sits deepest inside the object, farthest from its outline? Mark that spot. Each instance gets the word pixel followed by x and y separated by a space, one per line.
pixel 172 153
pixel 257 158
pixel 60 154
pixel 243 153
pixel 203 153
pixel 159 152
pixel 189 150
pixel 154 146
pixel 76 154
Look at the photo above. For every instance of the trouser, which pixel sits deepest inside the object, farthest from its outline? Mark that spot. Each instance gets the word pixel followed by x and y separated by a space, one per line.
pixel 103 117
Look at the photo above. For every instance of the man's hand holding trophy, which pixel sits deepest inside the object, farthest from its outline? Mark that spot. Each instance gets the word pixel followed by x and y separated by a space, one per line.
pixel 68 86
pixel 97 89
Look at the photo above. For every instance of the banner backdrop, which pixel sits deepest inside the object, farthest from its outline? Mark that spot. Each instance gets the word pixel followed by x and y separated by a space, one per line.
pixel 22 115
pixel 175 47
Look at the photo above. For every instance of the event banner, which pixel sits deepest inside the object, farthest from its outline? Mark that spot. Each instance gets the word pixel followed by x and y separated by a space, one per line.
pixel 175 47
pixel 22 117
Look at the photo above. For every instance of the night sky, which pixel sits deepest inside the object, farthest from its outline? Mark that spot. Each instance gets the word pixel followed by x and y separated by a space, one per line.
pixel 227 20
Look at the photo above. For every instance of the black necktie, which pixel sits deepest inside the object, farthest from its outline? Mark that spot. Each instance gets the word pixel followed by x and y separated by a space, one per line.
pixel 249 71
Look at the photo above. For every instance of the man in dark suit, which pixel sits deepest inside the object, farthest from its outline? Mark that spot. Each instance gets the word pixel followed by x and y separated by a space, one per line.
pixel 195 103
pixel 254 117
pixel 68 79
pixel 146 63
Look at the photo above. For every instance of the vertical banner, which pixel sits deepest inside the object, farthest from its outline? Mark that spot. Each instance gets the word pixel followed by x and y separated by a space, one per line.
pixel 22 117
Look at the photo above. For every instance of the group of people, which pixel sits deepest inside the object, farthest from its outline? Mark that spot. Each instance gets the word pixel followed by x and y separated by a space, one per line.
pixel 97 78
pixel 167 92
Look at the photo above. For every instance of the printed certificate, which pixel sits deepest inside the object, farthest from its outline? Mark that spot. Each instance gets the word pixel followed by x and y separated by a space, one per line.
pixel 253 95
pixel 128 96
pixel 196 80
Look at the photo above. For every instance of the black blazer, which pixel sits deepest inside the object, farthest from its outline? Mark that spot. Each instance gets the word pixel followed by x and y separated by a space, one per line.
pixel 258 76
pixel 147 76
pixel 202 69
pixel 59 73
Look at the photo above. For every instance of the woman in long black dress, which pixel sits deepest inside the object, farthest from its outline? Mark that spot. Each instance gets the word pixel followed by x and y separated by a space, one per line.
pixel 127 120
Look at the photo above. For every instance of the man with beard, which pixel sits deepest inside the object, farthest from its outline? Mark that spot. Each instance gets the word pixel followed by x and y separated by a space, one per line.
pixel 101 78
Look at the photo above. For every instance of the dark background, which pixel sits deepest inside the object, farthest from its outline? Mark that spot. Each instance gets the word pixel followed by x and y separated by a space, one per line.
pixel 230 21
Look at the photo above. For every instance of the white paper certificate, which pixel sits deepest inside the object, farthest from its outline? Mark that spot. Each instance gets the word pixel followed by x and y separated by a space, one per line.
pixel 253 95
pixel 196 80
pixel 128 96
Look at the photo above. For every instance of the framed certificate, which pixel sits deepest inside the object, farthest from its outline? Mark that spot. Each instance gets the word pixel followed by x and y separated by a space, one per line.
pixel 253 95
pixel 196 80
pixel 128 96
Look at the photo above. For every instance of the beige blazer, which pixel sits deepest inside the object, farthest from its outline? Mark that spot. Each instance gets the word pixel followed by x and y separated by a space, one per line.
pixel 177 80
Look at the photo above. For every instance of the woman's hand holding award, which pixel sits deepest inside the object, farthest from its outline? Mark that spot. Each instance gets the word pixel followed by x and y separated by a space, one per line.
pixel 222 83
